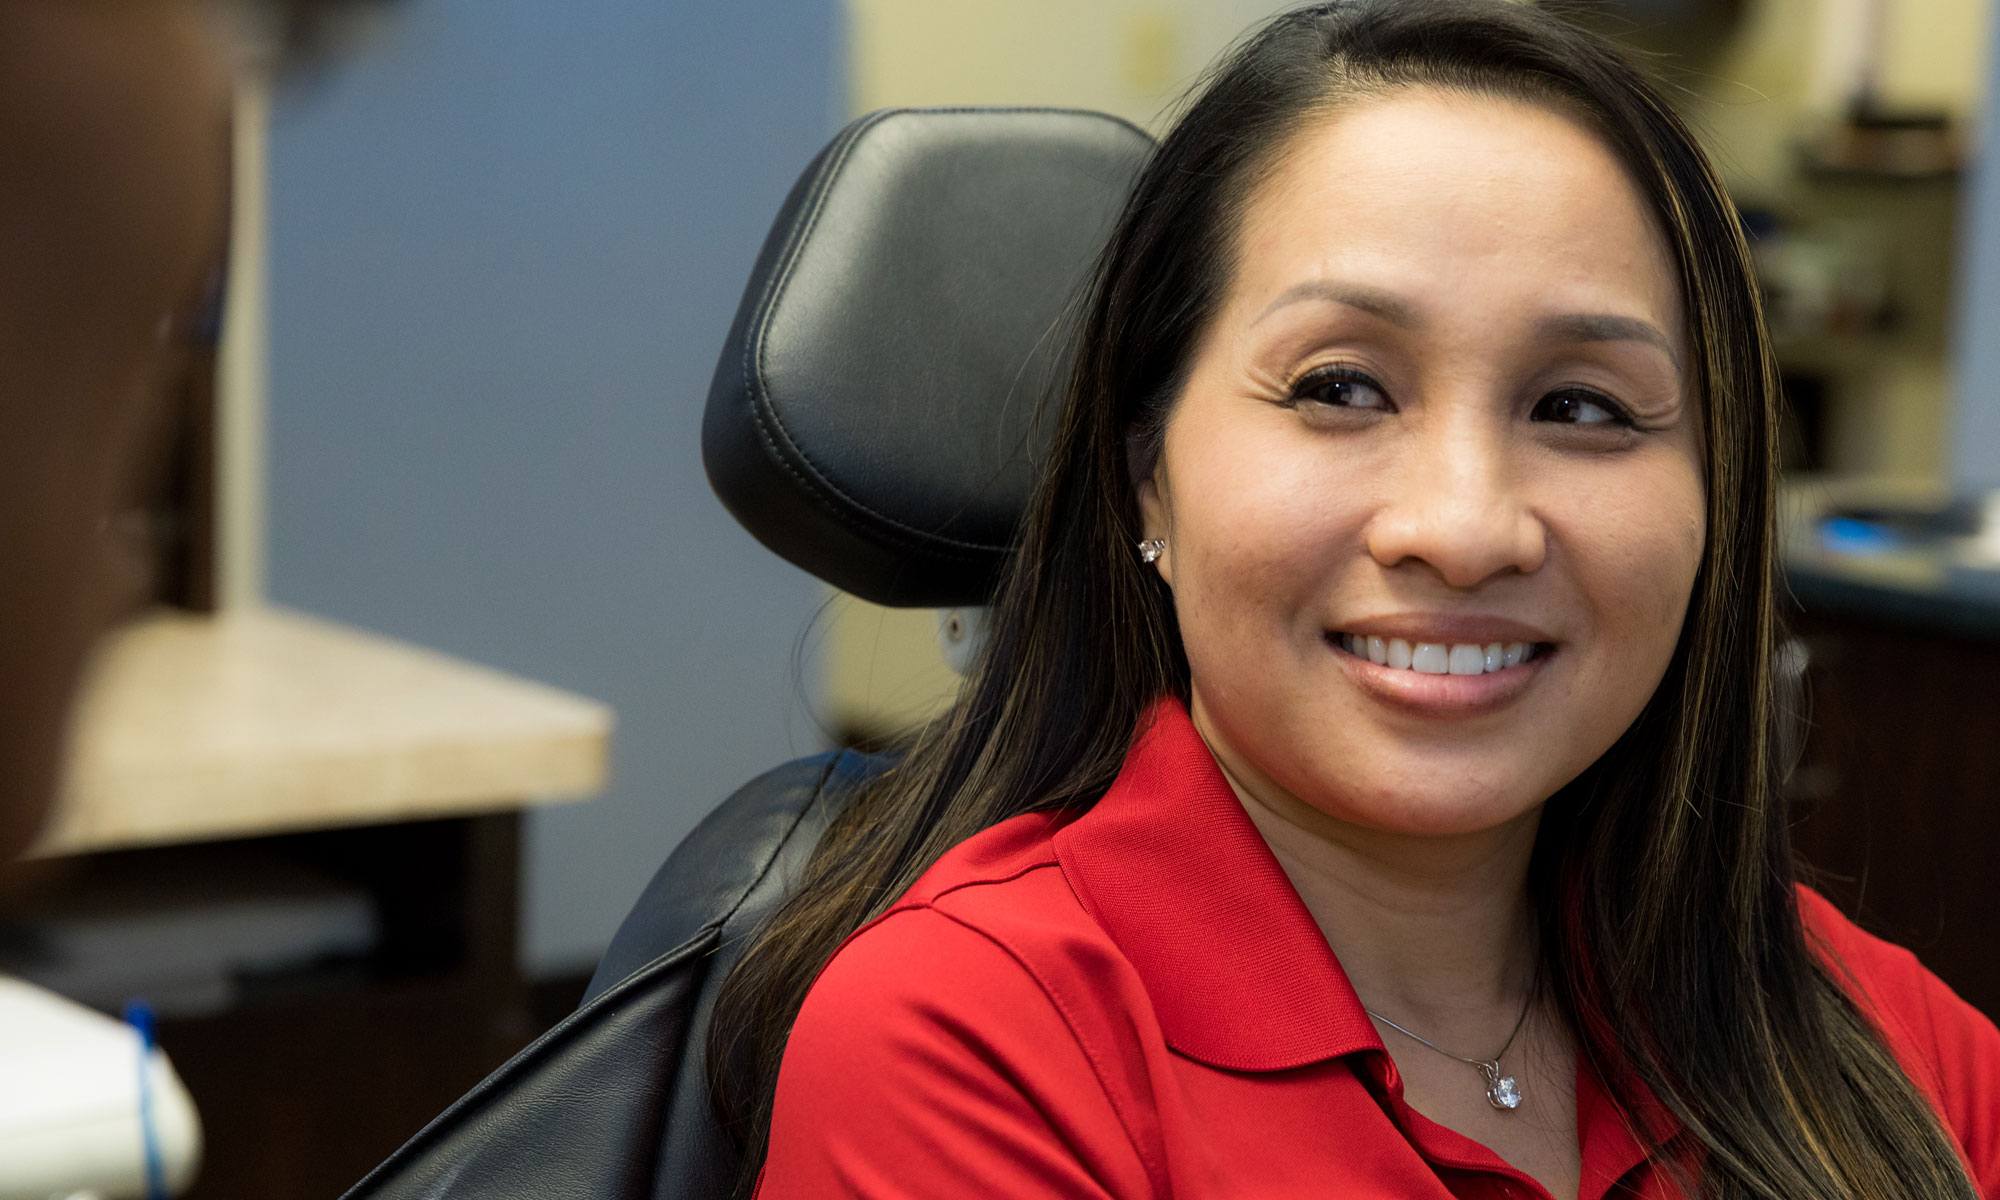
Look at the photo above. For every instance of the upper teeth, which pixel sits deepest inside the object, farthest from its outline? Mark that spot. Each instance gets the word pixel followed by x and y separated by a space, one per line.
pixel 1437 658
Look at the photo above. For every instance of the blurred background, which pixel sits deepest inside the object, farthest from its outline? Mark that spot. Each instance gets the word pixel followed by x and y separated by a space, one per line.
pixel 454 644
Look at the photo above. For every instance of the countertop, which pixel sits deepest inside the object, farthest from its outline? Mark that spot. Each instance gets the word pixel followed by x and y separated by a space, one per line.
pixel 198 727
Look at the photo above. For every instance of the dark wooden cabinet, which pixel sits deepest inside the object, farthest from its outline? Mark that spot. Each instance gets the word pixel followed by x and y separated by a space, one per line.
pixel 1897 791
pixel 309 1076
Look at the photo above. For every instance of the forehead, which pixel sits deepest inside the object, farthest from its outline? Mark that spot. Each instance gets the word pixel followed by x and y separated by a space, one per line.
pixel 1459 202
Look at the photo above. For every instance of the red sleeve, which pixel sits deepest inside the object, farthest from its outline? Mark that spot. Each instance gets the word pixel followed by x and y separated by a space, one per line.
pixel 1950 1049
pixel 928 1061
pixel 1966 1048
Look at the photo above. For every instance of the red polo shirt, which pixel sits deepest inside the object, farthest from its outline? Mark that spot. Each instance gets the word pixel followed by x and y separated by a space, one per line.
pixel 1135 1002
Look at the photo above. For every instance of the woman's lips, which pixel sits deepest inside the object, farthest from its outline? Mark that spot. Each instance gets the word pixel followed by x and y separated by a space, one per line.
pixel 1441 695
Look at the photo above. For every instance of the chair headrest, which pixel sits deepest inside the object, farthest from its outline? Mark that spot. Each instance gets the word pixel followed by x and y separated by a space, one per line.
pixel 871 417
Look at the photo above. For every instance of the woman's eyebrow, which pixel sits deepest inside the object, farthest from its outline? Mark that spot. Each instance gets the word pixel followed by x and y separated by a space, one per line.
pixel 1391 308
pixel 1570 327
pixel 1607 327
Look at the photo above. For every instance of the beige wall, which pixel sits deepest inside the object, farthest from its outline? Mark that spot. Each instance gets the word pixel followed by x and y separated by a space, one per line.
pixel 1753 93
pixel 1754 97
pixel 1130 57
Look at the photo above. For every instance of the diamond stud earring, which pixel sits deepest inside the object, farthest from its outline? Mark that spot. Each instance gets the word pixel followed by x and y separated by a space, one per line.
pixel 1150 549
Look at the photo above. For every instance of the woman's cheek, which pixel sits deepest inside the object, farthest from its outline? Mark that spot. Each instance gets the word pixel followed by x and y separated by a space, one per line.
pixel 1249 523
pixel 1641 555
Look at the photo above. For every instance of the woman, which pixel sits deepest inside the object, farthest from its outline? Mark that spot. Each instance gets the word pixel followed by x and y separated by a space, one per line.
pixel 1368 787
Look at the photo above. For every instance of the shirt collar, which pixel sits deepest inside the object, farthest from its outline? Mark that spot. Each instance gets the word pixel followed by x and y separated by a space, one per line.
pixel 1173 869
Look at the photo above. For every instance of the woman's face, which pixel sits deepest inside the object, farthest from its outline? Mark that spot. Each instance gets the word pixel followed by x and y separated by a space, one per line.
pixel 1443 408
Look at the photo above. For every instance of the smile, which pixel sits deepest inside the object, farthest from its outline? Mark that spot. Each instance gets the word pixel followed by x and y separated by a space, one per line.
pixel 1442 679
pixel 1439 658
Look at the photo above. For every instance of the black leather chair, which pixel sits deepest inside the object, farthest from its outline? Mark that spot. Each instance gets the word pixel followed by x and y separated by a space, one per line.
pixel 871 420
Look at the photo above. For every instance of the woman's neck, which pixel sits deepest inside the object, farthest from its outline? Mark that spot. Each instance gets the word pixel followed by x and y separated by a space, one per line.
pixel 1434 929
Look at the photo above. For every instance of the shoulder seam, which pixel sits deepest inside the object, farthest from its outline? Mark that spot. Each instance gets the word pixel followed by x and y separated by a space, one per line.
pixel 1155 1171
pixel 912 903
pixel 973 883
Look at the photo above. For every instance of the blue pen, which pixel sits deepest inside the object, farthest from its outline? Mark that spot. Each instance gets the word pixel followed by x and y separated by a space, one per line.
pixel 140 1017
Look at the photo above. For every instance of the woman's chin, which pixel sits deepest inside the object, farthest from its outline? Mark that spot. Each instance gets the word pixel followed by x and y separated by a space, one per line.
pixel 1424 805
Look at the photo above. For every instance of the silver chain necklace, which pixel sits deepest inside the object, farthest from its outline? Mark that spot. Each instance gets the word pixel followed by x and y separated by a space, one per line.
pixel 1502 1091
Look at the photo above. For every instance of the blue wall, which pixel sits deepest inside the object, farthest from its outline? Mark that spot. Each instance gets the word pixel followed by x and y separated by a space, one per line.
pixel 507 237
pixel 1975 427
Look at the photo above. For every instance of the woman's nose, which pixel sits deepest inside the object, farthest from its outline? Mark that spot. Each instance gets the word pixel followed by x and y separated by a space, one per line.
pixel 1457 505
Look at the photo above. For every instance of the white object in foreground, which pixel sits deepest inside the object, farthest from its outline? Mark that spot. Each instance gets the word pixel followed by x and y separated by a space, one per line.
pixel 70 1119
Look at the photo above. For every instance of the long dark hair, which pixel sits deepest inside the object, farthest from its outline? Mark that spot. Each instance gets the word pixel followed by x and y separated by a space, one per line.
pixel 1663 875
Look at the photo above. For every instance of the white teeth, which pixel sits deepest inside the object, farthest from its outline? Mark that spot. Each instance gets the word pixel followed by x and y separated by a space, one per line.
pixel 1437 658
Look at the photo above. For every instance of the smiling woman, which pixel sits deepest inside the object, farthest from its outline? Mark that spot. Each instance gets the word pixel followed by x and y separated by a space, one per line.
pixel 1368 785
pixel 1486 443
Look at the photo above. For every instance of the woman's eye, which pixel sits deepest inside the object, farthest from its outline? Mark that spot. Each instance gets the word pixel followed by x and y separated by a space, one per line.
pixel 1339 387
pixel 1573 407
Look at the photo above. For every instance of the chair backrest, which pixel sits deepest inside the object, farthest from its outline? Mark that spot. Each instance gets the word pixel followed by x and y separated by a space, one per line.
pixel 871 420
